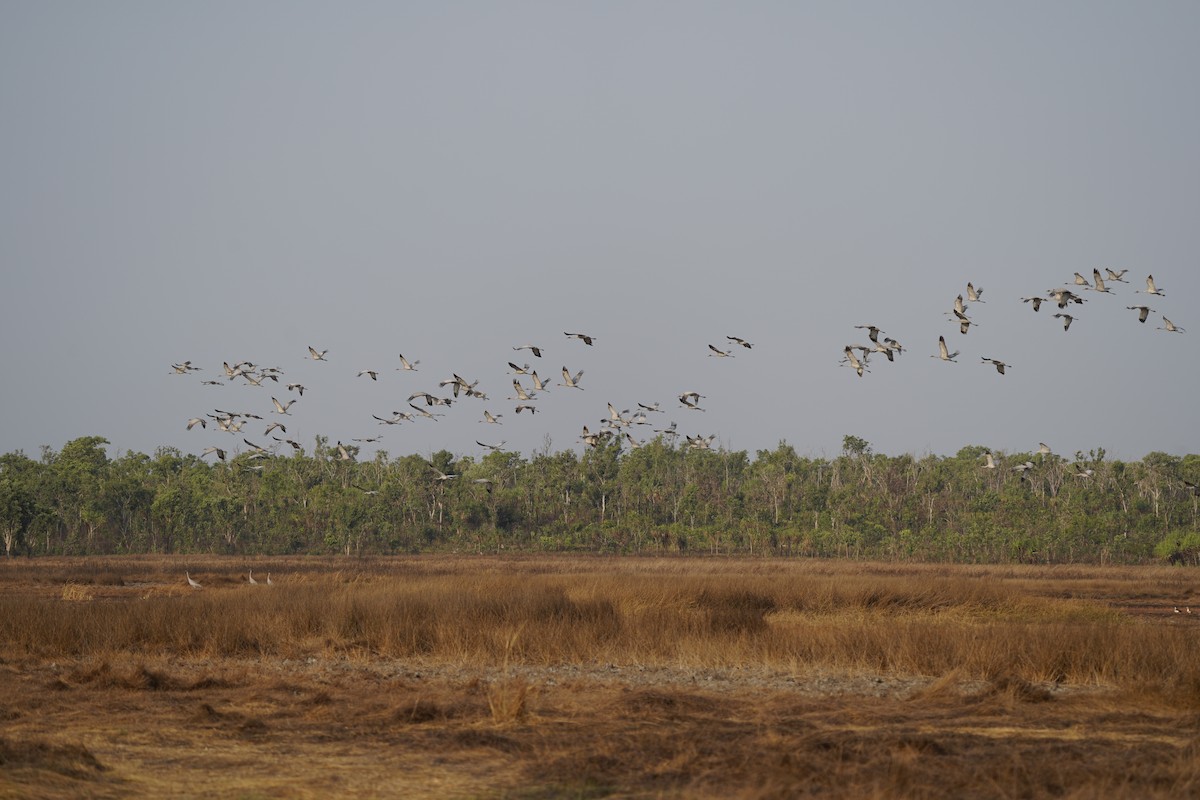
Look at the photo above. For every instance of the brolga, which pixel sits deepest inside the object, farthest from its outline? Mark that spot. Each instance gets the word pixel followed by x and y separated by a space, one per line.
pixel 194 421
pixel 716 351
pixel 943 352
pixel 739 340
pixel 1116 276
pixel 1067 320
pixel 282 408
pixel 406 365
pixel 571 382
pixel 583 337
pixel 1170 327
pixel 191 581
pixel 1143 312
pixel 691 400
pixel 296 387
pixel 1150 287
pixel 316 355
pixel 855 363
pixel 374 375
pixel 1081 281
pixel 999 365
pixel 489 417
pixel 537 351
pixel 973 294
pixel 251 579
pixel 872 331
pixel 989 462
pixel 1044 450
pixel 1098 283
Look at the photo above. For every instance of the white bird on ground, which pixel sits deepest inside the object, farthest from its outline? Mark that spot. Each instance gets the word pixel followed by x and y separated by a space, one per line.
pixel 191 582
pixel 1143 311
pixel 269 581
pixel 251 579
pixel 1170 327
pixel 569 382
pixel 1150 287
pixel 943 352
pixel 316 355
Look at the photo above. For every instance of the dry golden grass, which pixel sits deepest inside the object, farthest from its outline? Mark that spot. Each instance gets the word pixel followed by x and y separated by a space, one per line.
pixel 591 677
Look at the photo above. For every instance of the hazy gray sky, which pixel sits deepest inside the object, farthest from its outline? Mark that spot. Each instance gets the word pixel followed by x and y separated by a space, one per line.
pixel 227 181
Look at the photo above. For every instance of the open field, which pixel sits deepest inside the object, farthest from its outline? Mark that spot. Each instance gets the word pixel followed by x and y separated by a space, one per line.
pixel 531 677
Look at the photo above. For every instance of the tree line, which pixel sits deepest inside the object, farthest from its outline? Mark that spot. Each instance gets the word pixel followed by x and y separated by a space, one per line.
pixel 658 498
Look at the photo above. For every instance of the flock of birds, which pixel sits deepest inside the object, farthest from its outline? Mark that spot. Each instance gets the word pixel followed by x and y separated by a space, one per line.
pixel 1063 297
pixel 529 390
pixel 856 356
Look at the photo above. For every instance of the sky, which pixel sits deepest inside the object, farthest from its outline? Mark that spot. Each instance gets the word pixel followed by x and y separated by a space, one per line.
pixel 226 181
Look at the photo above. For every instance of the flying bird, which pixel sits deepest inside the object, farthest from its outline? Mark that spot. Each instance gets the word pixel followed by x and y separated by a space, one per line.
pixel 406 366
pixel 1116 276
pixel 491 418
pixel 194 421
pixel 581 336
pixel 537 351
pixel 315 355
pixel 989 462
pixel 973 294
pixel 1150 287
pixel 1066 318
pixel 1170 327
pixel 282 408
pixel 738 340
pixel 1098 283
pixel 872 331
pixel 719 353
pixel 374 375
pixel 999 365
pixel 943 352
pixel 1143 311
pixel 1037 302
pixel 569 382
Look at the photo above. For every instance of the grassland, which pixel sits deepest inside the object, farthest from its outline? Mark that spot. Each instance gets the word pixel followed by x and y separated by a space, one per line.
pixel 587 677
